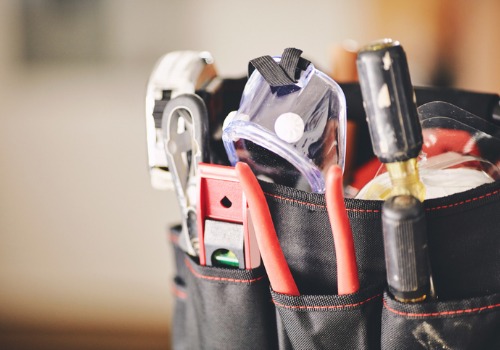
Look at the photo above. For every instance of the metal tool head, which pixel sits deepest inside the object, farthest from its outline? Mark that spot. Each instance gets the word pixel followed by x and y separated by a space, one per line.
pixel 185 137
pixel 174 74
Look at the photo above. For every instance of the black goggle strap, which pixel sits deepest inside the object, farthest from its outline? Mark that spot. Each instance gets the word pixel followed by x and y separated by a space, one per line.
pixel 284 73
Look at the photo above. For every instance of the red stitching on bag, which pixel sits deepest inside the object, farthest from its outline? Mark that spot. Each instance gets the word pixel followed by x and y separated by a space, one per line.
pixel 212 278
pixel 173 238
pixel 179 293
pixel 326 306
pixel 464 201
pixel 378 211
pixel 294 200
pixel 364 210
pixel 442 313
pixel 318 205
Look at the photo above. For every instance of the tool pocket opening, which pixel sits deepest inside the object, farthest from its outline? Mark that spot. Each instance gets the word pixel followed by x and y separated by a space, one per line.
pixel 229 308
pixel 179 334
pixel 349 321
pixel 472 323
pixel 179 292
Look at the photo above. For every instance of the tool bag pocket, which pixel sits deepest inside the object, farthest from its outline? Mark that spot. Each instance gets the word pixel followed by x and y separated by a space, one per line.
pixel 179 336
pixel 220 308
pixel 330 321
pixel 228 308
pixel 319 318
pixel 179 292
pixel 464 243
pixel 472 323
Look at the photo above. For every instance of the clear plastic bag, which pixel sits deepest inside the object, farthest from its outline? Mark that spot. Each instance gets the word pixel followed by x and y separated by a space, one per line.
pixel 461 151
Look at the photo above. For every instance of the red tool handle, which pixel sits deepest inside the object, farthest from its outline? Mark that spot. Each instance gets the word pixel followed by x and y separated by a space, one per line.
pixel 347 270
pixel 277 269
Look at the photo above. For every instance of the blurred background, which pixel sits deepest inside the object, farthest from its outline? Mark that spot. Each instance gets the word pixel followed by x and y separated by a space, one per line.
pixel 84 259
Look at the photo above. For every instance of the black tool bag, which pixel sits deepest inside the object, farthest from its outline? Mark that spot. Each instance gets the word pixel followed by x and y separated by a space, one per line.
pixel 222 308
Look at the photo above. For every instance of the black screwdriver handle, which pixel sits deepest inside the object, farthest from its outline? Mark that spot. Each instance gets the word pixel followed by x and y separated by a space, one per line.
pixel 389 101
pixel 405 245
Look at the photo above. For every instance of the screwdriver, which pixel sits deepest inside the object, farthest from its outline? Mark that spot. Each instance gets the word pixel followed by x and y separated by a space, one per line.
pixel 396 136
pixel 391 114
pixel 406 251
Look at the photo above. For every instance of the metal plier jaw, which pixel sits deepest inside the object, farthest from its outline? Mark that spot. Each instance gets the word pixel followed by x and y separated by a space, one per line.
pixel 185 140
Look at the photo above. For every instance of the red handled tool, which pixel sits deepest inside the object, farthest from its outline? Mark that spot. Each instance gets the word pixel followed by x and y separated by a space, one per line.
pixel 347 270
pixel 277 269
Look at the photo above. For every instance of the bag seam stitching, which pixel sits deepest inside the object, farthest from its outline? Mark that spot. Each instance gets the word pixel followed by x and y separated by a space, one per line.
pixel 328 307
pixel 464 201
pixel 224 279
pixel 318 205
pixel 179 293
pixel 377 210
pixel 441 313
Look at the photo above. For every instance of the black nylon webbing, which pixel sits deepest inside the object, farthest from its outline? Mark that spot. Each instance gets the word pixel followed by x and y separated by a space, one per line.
pixel 284 73
pixel 271 71
pixel 289 61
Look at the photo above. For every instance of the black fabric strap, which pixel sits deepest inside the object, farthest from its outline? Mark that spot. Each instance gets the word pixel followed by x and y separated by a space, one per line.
pixel 289 62
pixel 271 71
pixel 280 74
